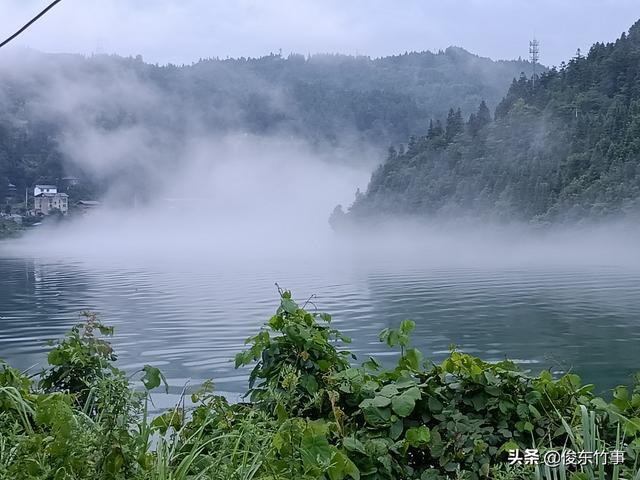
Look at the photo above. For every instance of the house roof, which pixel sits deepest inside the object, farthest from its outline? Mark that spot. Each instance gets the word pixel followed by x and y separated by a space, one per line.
pixel 89 203
pixel 46 186
pixel 52 195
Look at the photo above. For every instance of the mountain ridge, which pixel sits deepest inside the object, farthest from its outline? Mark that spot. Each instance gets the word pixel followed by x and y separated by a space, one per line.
pixel 323 99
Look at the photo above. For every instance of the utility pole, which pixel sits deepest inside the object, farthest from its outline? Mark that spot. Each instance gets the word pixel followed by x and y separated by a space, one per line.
pixel 534 56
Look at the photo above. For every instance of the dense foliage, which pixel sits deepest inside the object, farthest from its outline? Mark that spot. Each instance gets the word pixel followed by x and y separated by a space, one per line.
pixel 45 99
pixel 9 228
pixel 564 147
pixel 312 414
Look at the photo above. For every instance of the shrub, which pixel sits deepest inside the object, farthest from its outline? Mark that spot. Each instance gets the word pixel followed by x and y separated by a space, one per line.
pixel 311 414
pixel 295 364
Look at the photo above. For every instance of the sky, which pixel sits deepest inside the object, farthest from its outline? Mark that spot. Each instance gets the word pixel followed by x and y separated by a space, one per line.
pixel 183 31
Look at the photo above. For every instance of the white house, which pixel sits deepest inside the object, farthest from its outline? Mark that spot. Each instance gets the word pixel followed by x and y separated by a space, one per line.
pixel 47 199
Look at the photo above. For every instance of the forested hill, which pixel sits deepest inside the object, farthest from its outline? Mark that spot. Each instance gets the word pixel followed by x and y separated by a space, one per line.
pixel 563 148
pixel 321 98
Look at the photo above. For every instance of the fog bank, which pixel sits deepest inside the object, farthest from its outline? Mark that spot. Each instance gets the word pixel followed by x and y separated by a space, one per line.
pixel 279 215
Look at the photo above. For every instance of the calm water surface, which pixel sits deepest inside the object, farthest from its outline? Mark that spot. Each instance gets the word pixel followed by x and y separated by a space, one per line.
pixel 190 319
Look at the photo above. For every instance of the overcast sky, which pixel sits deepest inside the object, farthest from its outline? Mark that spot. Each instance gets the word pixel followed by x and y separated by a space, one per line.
pixel 182 31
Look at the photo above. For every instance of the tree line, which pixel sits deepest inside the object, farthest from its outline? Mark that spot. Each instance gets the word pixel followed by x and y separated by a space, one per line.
pixel 564 148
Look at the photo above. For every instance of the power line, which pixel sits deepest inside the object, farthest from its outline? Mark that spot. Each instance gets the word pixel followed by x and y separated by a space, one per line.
pixel 31 22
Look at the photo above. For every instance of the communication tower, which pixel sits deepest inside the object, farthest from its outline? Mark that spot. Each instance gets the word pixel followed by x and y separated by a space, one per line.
pixel 534 56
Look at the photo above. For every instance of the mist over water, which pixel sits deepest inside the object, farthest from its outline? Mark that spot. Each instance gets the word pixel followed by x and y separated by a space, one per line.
pixel 286 220
pixel 238 197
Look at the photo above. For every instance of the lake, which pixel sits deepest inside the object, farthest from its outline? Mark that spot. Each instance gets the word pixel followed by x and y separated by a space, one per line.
pixel 190 318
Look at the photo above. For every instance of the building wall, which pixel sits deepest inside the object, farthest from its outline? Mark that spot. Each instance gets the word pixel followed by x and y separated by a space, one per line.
pixel 41 205
pixel 61 203
pixel 44 204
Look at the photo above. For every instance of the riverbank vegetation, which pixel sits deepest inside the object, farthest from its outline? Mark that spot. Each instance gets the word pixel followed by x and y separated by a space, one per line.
pixel 312 411
pixel 9 228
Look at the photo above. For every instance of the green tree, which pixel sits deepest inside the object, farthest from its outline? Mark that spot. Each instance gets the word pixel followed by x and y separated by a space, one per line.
pixel 454 125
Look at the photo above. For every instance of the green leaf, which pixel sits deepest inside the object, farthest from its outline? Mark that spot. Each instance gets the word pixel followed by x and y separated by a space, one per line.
pixel 491 378
pixel 479 401
pixel 341 467
pixel 354 445
pixel 389 390
pixel 243 358
pixel 505 406
pixel 289 305
pixel 371 364
pixel 370 386
pixel 451 467
pixel 324 365
pixel 405 382
pixel 392 338
pixel 380 401
pixel 413 393
pixel 418 436
pixel 55 357
pixel 599 404
pixel 309 383
pixel 534 411
pixel 533 397
pixel 404 404
pixel 386 462
pixel 434 405
pixel 632 426
pixel 315 449
pixel 376 416
pixel 281 412
pixel 492 390
pixel 412 359
pixel 278 441
pixel 523 410
pixel 430 474
pixel 509 445
pixel 377 447
pixel 166 420
pixel 153 377
pixel 407 326
pixel 396 429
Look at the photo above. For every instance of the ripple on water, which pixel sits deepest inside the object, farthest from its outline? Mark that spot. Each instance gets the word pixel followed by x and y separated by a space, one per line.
pixel 191 322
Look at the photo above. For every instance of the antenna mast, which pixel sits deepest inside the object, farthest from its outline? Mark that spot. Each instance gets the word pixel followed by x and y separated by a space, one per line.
pixel 534 56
